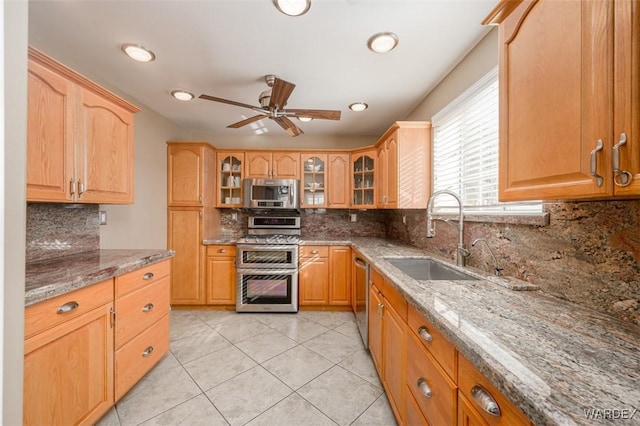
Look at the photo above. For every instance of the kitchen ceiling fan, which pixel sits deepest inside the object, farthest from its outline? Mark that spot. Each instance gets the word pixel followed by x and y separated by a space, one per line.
pixel 272 105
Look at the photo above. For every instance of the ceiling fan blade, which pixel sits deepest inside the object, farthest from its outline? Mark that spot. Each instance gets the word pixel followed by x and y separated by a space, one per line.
pixel 246 121
pixel 288 125
pixel 323 114
pixel 280 93
pixel 226 101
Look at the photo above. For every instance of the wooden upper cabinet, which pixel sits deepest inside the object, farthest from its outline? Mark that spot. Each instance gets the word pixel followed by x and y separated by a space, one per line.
pixel 560 119
pixel 313 185
pixel 364 178
pixel 79 138
pixel 264 164
pixel 403 178
pixel 191 174
pixel 338 181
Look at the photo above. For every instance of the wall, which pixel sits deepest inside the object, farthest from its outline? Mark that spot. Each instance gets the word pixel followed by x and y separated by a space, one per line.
pixel 590 252
pixel 13 143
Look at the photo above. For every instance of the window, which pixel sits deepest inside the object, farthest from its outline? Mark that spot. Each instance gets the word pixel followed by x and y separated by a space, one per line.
pixel 465 152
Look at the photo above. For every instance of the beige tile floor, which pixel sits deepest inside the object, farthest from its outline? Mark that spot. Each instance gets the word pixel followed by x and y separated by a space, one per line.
pixel 225 368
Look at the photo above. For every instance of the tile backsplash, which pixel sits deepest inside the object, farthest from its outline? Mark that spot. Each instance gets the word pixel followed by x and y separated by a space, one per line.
pixel 55 230
pixel 588 254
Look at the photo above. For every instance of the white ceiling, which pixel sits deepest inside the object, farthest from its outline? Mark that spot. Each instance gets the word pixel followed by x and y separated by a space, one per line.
pixel 224 48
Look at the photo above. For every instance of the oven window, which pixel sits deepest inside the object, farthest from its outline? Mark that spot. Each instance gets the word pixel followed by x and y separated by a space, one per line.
pixel 253 257
pixel 267 288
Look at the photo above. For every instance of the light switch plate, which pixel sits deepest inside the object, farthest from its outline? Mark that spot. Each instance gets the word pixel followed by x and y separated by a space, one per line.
pixel 354 217
pixel 102 217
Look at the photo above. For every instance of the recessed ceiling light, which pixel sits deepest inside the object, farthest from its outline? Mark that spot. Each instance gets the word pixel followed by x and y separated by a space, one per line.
pixel 293 7
pixel 382 42
pixel 305 119
pixel 138 53
pixel 358 106
pixel 182 95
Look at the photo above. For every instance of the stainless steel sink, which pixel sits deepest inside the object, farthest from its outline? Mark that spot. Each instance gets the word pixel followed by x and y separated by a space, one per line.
pixel 425 269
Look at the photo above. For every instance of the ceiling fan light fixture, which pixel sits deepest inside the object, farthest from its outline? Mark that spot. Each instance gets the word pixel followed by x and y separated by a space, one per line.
pixel 182 95
pixel 382 42
pixel 138 53
pixel 293 7
pixel 305 119
pixel 358 106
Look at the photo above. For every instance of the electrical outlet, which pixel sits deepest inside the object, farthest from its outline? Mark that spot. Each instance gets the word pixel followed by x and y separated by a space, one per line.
pixel 404 219
pixel 354 217
pixel 234 216
pixel 102 217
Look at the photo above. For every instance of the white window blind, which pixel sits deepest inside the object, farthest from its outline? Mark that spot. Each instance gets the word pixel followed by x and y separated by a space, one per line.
pixel 465 152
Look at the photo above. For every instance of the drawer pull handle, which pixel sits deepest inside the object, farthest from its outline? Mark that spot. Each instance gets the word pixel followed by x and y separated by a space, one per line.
pixel 147 276
pixel 147 307
pixel 424 387
pixel 314 251
pixel 67 307
pixel 485 401
pixel 424 333
pixel 147 351
pixel 222 250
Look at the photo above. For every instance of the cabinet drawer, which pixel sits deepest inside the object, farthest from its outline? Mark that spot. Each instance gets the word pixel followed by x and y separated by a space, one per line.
pixel 139 309
pixel 441 349
pixel 394 298
pixel 141 277
pixel 137 357
pixel 44 315
pixel 314 251
pixel 470 378
pixel 221 251
pixel 414 414
pixel 440 407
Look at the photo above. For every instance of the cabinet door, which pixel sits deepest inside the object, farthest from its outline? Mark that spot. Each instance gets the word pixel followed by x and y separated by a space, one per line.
pixel 340 276
pixel 258 164
pixel 338 181
pixel 185 176
pixel 314 281
pixel 314 180
pixel 394 358
pixel 364 179
pixel 68 371
pixel 627 93
pixel 230 175
pixel 286 165
pixel 375 329
pixel 382 181
pixel 50 152
pixel 553 112
pixel 467 415
pixel 104 151
pixel 391 170
pixel 185 237
pixel 221 278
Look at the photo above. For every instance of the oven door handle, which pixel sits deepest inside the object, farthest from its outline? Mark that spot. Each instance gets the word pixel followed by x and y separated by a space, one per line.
pixel 290 195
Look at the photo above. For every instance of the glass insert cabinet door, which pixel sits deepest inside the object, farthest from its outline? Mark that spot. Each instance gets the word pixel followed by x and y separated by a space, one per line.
pixel 363 180
pixel 314 180
pixel 230 179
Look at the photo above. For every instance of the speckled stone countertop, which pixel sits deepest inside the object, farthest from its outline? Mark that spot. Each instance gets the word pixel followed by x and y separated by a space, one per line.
pixel 220 239
pixel 553 359
pixel 51 278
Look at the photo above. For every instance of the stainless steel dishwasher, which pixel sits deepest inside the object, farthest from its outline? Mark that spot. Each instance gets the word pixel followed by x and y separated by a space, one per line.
pixel 361 305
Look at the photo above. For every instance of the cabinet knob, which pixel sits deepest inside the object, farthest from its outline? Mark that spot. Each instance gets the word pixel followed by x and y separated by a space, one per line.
pixel 314 251
pixel 485 401
pixel 424 333
pixel 424 387
pixel 148 307
pixel 147 276
pixel 67 307
pixel 222 250
pixel 147 351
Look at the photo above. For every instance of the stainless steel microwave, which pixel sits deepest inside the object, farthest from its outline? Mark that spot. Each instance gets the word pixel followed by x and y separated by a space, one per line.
pixel 271 194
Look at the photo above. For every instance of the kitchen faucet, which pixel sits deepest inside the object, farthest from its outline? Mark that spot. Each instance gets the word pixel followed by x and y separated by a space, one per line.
pixel 496 268
pixel 461 252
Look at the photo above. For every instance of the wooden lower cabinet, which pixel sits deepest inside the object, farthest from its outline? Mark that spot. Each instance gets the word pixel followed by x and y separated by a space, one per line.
pixel 324 276
pixel 68 371
pixel 414 416
pixel 221 275
pixel 141 323
pixel 467 415
pixel 185 237
pixel 387 344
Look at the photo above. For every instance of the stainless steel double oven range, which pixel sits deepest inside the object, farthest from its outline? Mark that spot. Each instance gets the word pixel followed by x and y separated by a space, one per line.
pixel 267 263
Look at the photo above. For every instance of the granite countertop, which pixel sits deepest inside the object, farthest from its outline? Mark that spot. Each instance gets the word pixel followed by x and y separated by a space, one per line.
pixel 51 278
pixel 552 358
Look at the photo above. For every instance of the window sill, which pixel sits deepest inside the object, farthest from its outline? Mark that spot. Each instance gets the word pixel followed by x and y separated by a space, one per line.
pixel 532 219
